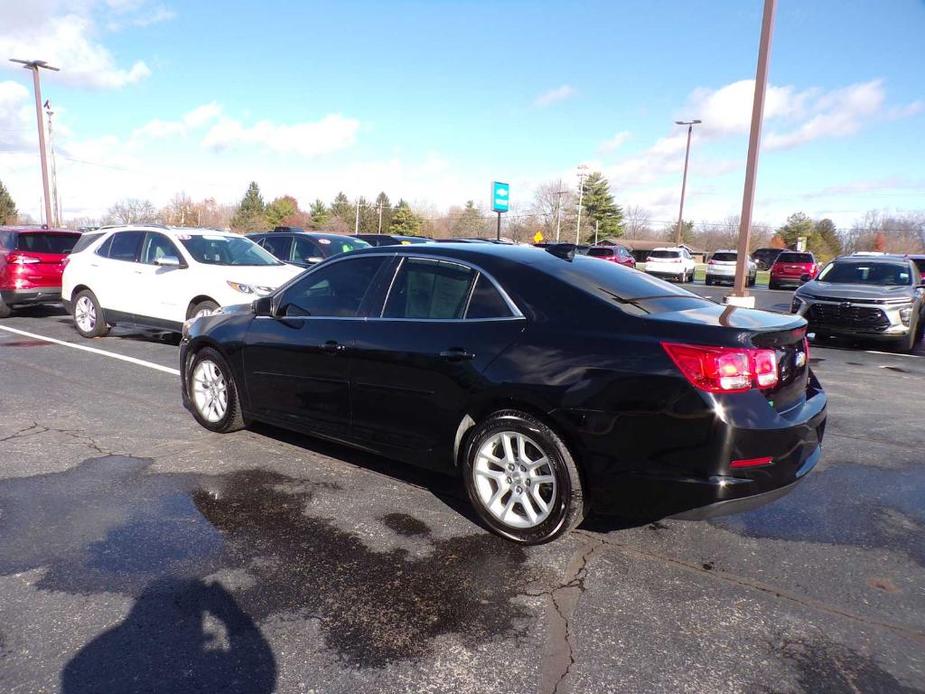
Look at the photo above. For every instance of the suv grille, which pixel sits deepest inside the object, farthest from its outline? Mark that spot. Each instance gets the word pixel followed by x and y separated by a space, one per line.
pixel 849 316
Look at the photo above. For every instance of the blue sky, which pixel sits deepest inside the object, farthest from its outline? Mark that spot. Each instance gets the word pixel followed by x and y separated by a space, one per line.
pixel 431 100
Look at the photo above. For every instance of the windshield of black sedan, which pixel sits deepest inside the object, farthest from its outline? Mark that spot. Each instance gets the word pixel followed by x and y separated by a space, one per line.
pixel 880 274
pixel 226 250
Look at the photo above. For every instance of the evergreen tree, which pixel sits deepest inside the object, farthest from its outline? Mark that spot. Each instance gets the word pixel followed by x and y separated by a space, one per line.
pixel 251 213
pixel 798 224
pixel 404 221
pixel 342 208
pixel 319 214
pixel 469 221
pixel 826 242
pixel 8 213
pixel 599 208
pixel 282 211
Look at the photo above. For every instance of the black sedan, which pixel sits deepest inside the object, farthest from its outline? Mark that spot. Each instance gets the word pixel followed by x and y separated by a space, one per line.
pixel 552 383
pixel 305 248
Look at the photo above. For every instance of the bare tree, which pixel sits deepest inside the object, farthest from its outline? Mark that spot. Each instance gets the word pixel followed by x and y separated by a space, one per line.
pixel 636 221
pixel 132 211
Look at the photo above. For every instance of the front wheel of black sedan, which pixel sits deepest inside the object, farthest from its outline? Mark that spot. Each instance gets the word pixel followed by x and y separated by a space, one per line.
pixel 213 393
pixel 522 479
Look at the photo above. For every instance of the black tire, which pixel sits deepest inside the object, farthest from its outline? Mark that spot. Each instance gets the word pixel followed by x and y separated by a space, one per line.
pixel 752 280
pixel 97 326
pixel 708 282
pixel 233 418
pixel 773 285
pixel 207 305
pixel 568 506
pixel 5 310
pixel 907 343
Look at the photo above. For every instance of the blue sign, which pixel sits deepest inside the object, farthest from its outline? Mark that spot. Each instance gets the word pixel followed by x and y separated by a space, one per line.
pixel 500 196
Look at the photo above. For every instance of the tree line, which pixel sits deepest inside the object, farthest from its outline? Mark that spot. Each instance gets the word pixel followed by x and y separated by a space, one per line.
pixel 553 211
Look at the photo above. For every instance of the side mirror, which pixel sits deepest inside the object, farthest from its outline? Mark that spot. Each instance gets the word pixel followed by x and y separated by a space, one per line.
pixel 167 261
pixel 263 306
pixel 805 278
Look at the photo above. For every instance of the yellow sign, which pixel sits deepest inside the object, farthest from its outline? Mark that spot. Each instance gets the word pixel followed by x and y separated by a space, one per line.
pixel 538 237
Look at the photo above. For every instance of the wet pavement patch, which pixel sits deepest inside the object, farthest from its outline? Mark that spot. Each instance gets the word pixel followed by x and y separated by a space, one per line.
pixel 824 666
pixel 24 343
pixel 111 525
pixel 846 504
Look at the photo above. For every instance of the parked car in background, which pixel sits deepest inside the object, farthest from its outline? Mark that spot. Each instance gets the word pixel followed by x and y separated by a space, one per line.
pixel 721 268
pixel 880 298
pixel 31 264
pixel 919 261
pixel 671 263
pixel 158 277
pixel 508 366
pixel 305 248
pixel 765 257
pixel 390 239
pixel 792 268
pixel 613 254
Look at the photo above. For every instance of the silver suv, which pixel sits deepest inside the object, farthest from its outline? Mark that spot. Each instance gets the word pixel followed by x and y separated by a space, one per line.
pixel 877 297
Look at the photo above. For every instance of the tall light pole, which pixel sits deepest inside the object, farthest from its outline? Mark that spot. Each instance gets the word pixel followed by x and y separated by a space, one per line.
pixel 559 194
pixel 582 173
pixel 754 141
pixel 54 165
pixel 35 65
pixel 687 153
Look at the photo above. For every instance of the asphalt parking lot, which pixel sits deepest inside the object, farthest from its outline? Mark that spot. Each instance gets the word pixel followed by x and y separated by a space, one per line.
pixel 139 552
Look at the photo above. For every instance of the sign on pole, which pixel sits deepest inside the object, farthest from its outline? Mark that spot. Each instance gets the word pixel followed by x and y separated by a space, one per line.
pixel 500 196
pixel 538 237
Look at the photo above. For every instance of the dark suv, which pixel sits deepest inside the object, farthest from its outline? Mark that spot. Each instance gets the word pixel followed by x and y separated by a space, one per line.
pixel 870 297
pixel 305 248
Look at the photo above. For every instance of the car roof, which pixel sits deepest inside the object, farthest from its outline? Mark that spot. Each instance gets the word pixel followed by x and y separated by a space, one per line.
pixel 668 248
pixel 868 259
pixel 29 228
pixel 174 232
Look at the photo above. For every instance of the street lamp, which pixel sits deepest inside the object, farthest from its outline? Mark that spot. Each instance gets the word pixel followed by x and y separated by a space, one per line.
pixel 687 153
pixel 35 65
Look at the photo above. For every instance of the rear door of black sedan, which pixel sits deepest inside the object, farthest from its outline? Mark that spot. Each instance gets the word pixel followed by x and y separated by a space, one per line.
pixel 415 368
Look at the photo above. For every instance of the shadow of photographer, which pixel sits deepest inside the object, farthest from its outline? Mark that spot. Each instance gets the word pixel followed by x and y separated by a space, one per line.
pixel 181 636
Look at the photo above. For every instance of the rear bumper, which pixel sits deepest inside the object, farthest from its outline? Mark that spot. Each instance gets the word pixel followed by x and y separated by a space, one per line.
pixel 785 280
pixel 32 295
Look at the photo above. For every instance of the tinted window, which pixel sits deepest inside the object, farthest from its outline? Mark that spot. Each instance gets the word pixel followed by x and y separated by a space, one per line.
pixel 278 246
pixel 85 240
pixel 664 254
pixel 486 301
pixel 430 289
pixel 226 250
pixel 883 274
pixel 103 250
pixel 46 242
pixel 125 245
pixel 725 257
pixel 306 248
pixel 158 246
pixel 600 252
pixel 795 258
pixel 332 245
pixel 920 264
pixel 335 290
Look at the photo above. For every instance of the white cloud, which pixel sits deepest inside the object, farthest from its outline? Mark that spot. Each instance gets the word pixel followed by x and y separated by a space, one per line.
pixel 614 142
pixel 161 129
pixel 309 139
pixel 554 96
pixel 66 34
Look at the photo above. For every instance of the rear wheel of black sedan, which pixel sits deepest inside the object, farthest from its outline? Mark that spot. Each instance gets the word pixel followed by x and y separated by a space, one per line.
pixel 522 479
pixel 213 393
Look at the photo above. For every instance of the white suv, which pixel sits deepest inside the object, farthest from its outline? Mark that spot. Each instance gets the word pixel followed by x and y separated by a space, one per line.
pixel 675 263
pixel 722 268
pixel 159 277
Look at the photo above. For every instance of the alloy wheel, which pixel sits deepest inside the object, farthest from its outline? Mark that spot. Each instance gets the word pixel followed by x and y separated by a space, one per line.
pixel 210 391
pixel 85 314
pixel 514 480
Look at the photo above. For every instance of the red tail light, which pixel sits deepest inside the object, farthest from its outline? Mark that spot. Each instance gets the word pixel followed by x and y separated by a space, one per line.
pixel 16 258
pixel 725 369
pixel 751 462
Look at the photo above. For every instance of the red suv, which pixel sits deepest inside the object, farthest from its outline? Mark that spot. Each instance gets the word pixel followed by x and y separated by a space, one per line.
pixel 613 254
pixel 31 263
pixel 790 267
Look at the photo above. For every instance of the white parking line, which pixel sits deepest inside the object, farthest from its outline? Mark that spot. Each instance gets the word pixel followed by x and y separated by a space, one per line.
pixel 93 350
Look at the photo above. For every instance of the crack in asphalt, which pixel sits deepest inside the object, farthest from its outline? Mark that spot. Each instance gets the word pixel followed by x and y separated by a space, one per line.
pixel 36 429
pixel 721 575
pixel 562 602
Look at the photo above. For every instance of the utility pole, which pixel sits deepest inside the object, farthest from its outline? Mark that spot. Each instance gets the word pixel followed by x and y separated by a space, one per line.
pixel 380 217
pixel 582 172
pixel 687 153
pixel 54 165
pixel 559 194
pixel 35 65
pixel 597 226
pixel 754 142
pixel 356 225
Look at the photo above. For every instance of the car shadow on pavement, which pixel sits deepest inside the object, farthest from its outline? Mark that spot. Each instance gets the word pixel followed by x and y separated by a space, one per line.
pixel 180 636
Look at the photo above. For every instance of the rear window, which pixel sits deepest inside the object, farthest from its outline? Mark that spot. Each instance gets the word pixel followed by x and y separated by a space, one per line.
pixel 664 254
pixel 724 256
pixel 45 242
pixel 795 258
pixel 85 240
pixel 601 252
pixel 610 280
pixel 486 301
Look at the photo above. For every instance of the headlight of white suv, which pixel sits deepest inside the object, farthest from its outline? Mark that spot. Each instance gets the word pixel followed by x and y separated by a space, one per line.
pixel 250 288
